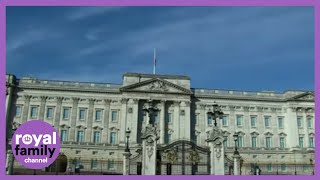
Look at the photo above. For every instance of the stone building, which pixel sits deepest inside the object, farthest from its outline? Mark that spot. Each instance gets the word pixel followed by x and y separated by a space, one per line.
pixel 276 130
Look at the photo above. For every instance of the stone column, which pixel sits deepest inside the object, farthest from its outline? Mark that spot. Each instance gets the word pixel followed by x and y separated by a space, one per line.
pixel 162 121
pixel 57 117
pixel 176 120
pixel 26 108
pixel 123 121
pixel 202 124
pixel 236 164
pixel 187 127
pixel 75 101
pixel 291 128
pixel 149 150
pixel 42 107
pixel 247 125
pixel 126 163
pixel 260 125
pixel 134 120
pixel 215 141
pixel 90 120
pixel 106 121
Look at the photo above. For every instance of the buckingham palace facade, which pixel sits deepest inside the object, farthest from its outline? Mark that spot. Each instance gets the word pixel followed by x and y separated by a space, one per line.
pixel 276 130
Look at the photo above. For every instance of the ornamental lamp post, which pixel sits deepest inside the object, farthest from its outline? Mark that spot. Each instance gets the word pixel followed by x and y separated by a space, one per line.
pixel 127 144
pixel 235 137
pixel 215 113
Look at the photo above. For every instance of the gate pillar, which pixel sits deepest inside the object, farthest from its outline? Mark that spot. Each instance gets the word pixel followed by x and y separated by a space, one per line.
pixel 149 150
pixel 215 141
pixel 9 163
pixel 126 163
pixel 236 164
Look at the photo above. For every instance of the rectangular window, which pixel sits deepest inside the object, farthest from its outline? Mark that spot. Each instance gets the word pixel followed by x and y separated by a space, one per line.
pixel 240 141
pixel 96 137
pixel 225 142
pixel 34 112
pixel 311 142
pixel 269 167
pixel 63 135
pixel 111 164
pixel 94 164
pixel 225 121
pixel 267 121
pixel 268 142
pixel 253 121
pixel 82 114
pixel 98 114
pixel 282 143
pixel 301 142
pixel 114 116
pixel 50 112
pixel 280 123
pixel 254 142
pixel 239 120
pixel 283 167
pixel 66 113
pixel 80 136
pixel 310 123
pixel 210 120
pixel 299 121
pixel 18 111
pixel 169 120
pixel 113 138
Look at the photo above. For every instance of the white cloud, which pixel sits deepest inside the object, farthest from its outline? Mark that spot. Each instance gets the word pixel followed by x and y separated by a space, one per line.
pixel 85 12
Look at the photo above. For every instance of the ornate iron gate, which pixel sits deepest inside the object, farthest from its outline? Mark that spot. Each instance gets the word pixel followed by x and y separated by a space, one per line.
pixel 183 158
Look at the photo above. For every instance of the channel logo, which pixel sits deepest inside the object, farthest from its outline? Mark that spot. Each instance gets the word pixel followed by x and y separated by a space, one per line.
pixel 35 144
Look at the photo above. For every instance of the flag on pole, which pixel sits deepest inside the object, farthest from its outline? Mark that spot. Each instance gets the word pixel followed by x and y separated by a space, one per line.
pixel 154 61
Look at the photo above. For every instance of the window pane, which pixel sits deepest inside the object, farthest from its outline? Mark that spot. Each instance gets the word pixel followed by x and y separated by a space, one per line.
pixel 209 120
pixel 254 142
pixel 240 142
pixel 66 113
pixel 96 137
pixel 311 143
pixel 63 135
pixel 253 121
pixel 310 123
pixel 82 114
pixel 239 120
pixel 113 138
pixel 268 142
pixel 225 121
pixel 80 136
pixel 34 112
pixel 280 122
pixel 301 142
pixel 49 112
pixel 98 115
pixel 267 121
pixel 114 115
pixel 18 111
pixel 282 142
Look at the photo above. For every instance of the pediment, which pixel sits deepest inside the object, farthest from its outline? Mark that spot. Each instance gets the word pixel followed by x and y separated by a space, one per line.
pixel 307 96
pixel 156 85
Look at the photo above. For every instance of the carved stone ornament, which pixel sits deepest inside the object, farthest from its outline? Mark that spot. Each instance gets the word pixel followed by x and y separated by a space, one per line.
pixel 308 97
pixel 149 146
pixel 149 130
pixel 218 148
pixel 158 86
pixel 215 133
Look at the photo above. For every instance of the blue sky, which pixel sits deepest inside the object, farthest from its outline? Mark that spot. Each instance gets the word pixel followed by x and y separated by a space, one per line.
pixel 238 48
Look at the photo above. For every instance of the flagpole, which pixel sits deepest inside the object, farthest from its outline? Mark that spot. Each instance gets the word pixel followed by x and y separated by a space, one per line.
pixel 154 61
